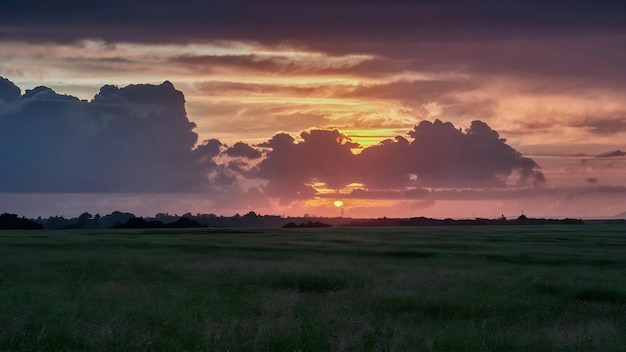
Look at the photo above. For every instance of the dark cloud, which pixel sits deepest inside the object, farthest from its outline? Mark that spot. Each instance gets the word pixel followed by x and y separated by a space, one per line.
pixel 536 58
pixel 356 23
pixel 46 94
pixel 579 42
pixel 545 65
pixel 604 125
pixel 242 150
pixel 617 153
pixel 468 194
pixel 386 164
pixel 9 92
pixel 205 152
pixel 290 167
pixel 131 139
pixel 439 155
pixel 421 91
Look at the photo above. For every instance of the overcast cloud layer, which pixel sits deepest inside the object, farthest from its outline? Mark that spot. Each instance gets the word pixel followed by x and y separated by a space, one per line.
pixel 275 21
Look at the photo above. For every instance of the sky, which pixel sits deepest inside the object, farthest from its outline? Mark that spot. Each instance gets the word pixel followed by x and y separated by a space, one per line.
pixel 456 109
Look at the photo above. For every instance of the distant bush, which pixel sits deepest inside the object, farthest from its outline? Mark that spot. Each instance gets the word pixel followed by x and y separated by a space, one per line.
pixel 184 222
pixel 141 223
pixel 293 225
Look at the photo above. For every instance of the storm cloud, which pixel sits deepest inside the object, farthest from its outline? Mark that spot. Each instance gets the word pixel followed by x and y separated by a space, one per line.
pixel 242 150
pixel 138 139
pixel 433 154
pixel 132 139
pixel 9 92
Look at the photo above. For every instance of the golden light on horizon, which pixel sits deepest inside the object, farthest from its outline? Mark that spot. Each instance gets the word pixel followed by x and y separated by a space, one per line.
pixel 338 203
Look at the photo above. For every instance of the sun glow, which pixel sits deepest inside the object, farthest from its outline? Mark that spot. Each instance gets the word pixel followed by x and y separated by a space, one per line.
pixel 338 203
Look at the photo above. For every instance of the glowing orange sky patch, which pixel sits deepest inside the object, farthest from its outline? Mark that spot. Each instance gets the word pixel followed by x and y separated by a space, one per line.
pixel 369 137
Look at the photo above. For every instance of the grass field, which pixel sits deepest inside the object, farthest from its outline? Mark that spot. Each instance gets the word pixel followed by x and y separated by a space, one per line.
pixel 542 288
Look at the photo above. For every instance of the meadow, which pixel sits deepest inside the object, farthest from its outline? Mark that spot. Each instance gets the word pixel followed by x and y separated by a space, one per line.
pixel 495 288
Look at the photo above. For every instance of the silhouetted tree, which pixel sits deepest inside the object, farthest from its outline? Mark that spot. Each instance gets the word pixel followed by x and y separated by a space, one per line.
pixel 140 223
pixel 184 222
pixel 84 221
pixel 13 222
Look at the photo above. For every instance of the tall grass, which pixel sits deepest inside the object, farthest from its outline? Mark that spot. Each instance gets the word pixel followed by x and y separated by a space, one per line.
pixel 394 289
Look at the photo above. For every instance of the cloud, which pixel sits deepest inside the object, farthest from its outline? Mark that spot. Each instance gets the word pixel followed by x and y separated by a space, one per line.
pixel 295 61
pixel 9 92
pixel 439 155
pixel 306 63
pixel 139 139
pixel 258 120
pixel 353 23
pixel 291 166
pixel 502 62
pixel 225 88
pixel 242 150
pixel 132 139
pixel 602 125
pixel 612 154
pixel 423 90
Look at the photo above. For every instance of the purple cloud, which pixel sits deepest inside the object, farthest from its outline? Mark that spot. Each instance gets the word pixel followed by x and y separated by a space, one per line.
pixel 311 21
pixel 439 155
pixel 132 139
pixel 243 150
pixel 613 154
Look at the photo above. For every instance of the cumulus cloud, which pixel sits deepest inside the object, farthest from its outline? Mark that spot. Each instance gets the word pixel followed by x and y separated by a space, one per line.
pixel 452 61
pixel 9 92
pixel 243 150
pixel 132 139
pixel 291 166
pixel 441 155
pixel 138 139
pixel 436 155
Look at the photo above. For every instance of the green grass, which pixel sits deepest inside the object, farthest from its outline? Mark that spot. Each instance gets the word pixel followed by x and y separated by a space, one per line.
pixel 548 288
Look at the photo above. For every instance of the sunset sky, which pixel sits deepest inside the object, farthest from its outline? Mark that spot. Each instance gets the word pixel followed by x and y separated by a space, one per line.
pixel 455 109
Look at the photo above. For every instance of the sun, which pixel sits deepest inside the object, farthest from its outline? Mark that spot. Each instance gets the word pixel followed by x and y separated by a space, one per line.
pixel 338 203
